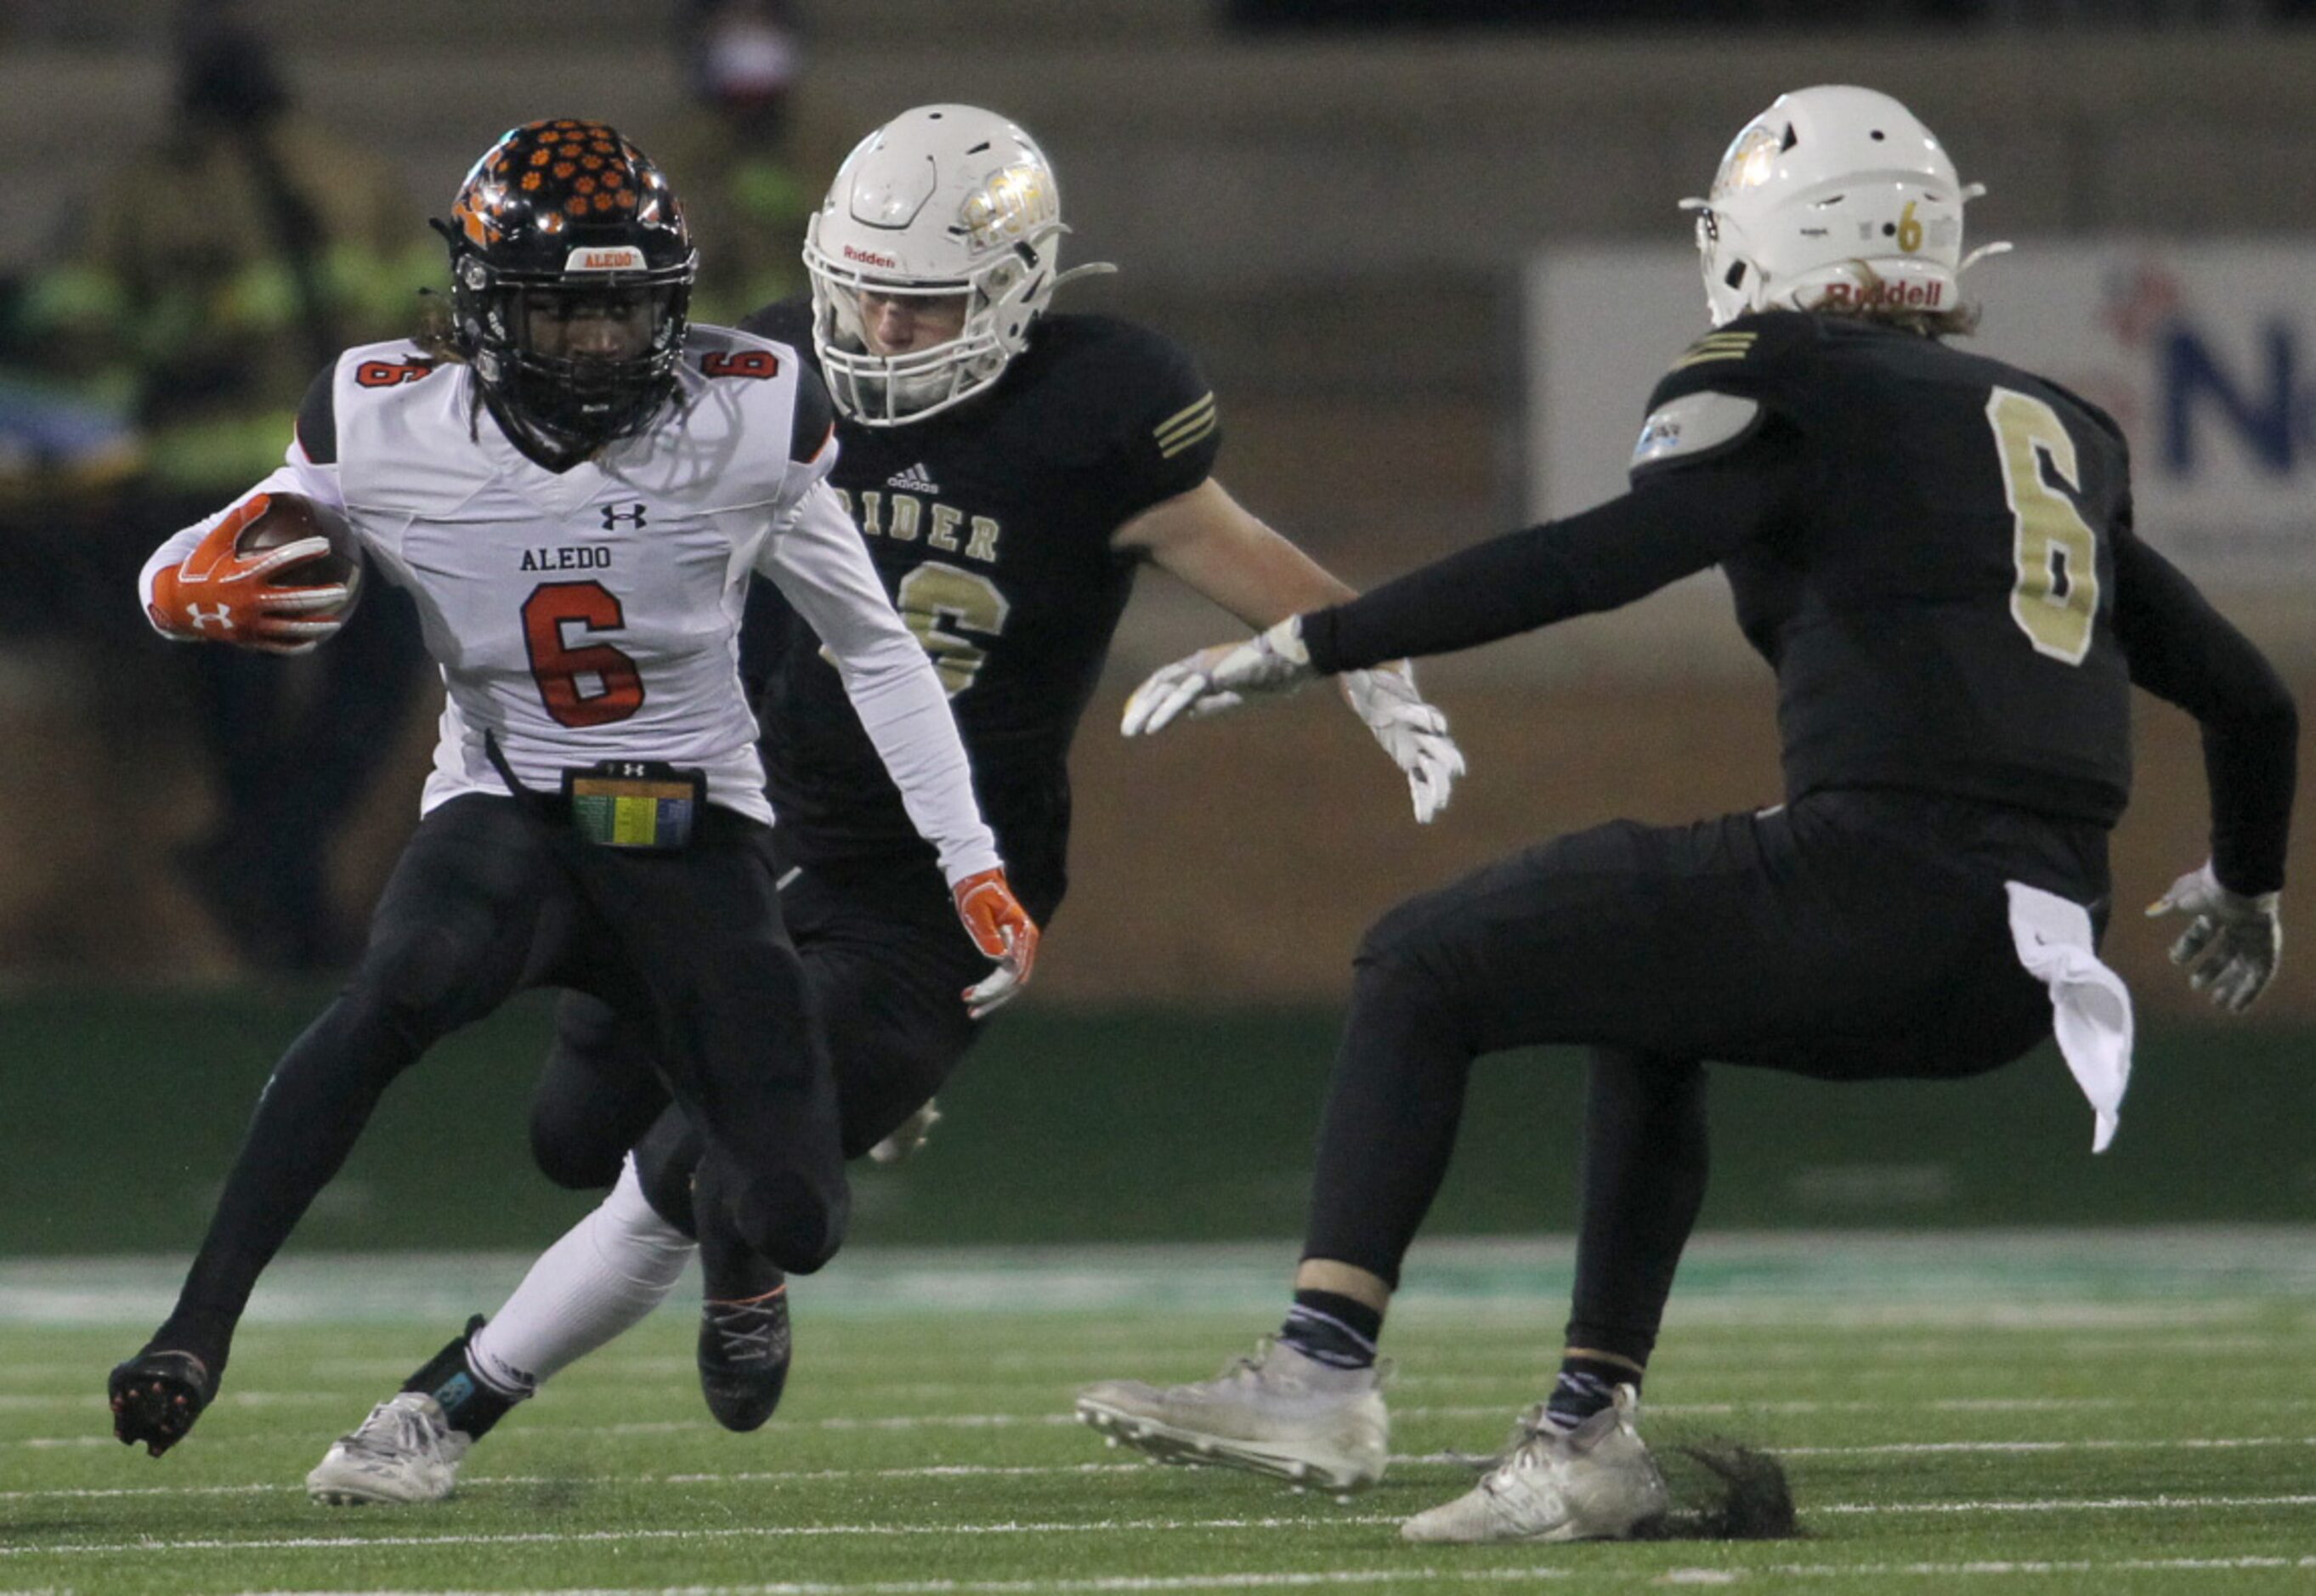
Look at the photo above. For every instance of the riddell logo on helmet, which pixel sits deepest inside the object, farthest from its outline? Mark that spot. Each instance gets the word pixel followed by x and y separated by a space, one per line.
pixel 869 257
pixel 1884 296
pixel 624 258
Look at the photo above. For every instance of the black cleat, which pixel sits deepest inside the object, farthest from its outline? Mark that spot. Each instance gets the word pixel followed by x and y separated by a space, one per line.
pixel 745 1349
pixel 157 1396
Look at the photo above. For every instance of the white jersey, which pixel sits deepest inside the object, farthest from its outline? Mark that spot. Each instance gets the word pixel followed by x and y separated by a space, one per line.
pixel 594 613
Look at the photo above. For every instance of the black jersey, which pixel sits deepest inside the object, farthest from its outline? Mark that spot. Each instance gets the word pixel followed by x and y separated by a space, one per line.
pixel 1938 596
pixel 1933 550
pixel 991 525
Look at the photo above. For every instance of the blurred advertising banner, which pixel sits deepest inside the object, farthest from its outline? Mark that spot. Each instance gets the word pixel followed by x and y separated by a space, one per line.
pixel 2205 352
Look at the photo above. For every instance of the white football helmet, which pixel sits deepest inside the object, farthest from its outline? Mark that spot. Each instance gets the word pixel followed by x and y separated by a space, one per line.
pixel 1834 198
pixel 943 200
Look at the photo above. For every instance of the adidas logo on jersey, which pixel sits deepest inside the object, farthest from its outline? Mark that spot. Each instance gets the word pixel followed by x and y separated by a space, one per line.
pixel 914 479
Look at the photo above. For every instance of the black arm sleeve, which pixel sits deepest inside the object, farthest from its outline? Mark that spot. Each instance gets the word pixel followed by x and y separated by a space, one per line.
pixel 1673 522
pixel 317 419
pixel 816 416
pixel 2186 653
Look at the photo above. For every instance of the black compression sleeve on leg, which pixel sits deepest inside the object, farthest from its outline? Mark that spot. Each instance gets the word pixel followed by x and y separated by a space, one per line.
pixel 598 1094
pixel 447 943
pixel 1392 1111
pixel 308 1118
pixel 1646 1161
pixel 666 1161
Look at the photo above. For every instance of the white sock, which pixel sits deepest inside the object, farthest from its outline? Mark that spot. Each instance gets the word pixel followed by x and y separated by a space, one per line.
pixel 605 1276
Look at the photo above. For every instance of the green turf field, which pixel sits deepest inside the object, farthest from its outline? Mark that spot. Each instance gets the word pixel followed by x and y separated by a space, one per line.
pixel 2031 1411
pixel 119 1112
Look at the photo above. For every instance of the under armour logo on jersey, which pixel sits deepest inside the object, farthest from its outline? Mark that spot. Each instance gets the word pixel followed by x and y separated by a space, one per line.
pixel 914 479
pixel 614 514
pixel 222 615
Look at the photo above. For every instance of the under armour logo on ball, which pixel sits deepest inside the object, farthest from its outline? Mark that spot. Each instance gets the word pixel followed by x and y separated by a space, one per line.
pixel 613 514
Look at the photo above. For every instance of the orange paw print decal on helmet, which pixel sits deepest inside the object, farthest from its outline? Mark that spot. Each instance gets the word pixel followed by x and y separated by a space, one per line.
pixel 570 170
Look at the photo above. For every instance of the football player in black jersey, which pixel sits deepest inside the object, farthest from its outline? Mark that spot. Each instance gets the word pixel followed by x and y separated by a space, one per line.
pixel 1011 471
pixel 1935 553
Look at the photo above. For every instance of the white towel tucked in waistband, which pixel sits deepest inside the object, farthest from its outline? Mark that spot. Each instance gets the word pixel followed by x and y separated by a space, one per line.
pixel 2090 1008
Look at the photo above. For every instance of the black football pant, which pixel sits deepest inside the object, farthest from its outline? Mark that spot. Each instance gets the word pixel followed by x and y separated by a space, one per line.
pixel 1851 937
pixel 887 963
pixel 489 899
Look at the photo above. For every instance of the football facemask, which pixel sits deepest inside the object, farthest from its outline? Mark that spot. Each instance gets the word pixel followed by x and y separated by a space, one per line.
pixel 571 273
pixel 1835 198
pixel 942 201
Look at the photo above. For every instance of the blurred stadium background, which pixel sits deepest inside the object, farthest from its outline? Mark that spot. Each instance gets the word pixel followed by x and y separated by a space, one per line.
pixel 1423 251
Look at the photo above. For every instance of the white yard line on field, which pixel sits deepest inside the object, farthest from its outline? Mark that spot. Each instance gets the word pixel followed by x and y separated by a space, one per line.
pixel 2182 1276
pixel 734 1532
pixel 2164 1503
pixel 1321 1579
pixel 1211 1581
pixel 906 1422
pixel 1916 1449
pixel 146 1545
pixel 963 1471
pixel 934 1471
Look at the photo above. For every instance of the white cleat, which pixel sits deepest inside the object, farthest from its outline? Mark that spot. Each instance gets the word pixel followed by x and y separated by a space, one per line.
pixel 403 1452
pixel 1278 1412
pixel 1595 1482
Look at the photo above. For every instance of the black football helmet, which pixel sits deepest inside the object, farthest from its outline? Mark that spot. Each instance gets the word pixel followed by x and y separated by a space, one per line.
pixel 559 215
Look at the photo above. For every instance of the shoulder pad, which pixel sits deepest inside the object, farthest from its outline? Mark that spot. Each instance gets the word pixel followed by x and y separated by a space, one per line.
pixel 371 372
pixel 729 355
pixel 1751 357
pixel 1104 391
pixel 1725 343
pixel 2096 416
pixel 1176 407
pixel 1749 340
pixel 1699 425
pixel 1188 427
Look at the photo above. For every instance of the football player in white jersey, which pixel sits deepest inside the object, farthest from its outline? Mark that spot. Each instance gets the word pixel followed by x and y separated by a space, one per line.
pixel 575 488
pixel 1014 467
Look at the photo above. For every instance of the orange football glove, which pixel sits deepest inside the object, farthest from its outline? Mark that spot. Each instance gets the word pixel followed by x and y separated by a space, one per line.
pixel 216 595
pixel 1003 929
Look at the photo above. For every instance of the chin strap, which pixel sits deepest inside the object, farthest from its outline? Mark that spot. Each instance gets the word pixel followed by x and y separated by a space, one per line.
pixel 1090 269
pixel 1980 253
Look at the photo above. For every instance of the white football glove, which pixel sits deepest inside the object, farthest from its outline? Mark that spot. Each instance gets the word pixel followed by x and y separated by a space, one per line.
pixel 2232 947
pixel 1413 732
pixel 1221 678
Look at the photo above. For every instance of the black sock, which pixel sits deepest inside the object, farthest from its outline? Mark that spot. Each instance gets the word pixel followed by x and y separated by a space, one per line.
pixel 1330 1328
pixel 468 1404
pixel 1585 1386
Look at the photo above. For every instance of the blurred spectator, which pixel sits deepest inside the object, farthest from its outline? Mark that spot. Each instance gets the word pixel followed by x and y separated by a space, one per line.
pixel 207 281
pixel 731 159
